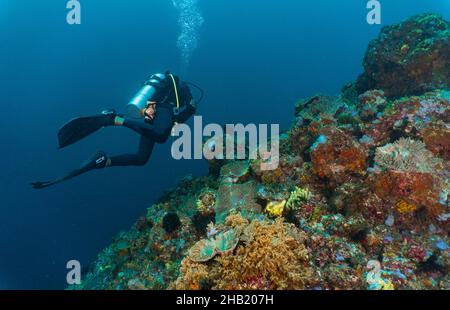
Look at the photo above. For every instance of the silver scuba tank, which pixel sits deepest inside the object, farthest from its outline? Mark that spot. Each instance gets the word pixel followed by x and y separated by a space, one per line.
pixel 137 105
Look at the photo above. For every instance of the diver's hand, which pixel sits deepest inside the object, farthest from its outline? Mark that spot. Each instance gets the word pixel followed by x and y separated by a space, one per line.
pixel 109 117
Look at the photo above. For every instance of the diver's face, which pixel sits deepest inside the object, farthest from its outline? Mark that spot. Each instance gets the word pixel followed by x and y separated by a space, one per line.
pixel 150 111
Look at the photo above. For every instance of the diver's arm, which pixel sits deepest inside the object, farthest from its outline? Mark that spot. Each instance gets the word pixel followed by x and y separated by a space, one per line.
pixel 158 130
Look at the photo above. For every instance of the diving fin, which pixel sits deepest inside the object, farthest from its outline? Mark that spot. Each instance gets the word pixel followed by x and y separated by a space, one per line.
pixel 98 161
pixel 79 128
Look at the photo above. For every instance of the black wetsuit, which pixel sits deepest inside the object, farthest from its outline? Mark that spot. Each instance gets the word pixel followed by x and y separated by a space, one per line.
pixel 157 130
pixel 152 131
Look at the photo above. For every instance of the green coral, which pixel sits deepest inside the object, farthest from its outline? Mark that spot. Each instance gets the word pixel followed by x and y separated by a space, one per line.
pixel 202 251
pixel 205 249
pixel 298 197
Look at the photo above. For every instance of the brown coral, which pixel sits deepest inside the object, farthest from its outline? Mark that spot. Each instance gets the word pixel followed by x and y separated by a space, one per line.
pixel 437 139
pixel 272 256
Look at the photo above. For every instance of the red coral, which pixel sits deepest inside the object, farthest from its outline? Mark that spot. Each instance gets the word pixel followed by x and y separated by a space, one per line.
pixel 339 157
pixel 414 187
pixel 437 139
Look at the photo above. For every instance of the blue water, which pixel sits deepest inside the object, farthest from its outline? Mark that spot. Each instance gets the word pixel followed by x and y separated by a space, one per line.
pixel 255 58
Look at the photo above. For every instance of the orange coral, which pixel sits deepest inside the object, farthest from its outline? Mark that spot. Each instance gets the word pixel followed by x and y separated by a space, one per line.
pixel 404 207
pixel 271 256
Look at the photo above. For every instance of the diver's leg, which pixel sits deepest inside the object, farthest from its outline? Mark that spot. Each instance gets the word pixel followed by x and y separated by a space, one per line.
pixel 139 159
pixel 98 161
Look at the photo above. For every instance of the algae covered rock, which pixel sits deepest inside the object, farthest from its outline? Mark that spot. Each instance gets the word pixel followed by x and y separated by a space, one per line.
pixel 408 58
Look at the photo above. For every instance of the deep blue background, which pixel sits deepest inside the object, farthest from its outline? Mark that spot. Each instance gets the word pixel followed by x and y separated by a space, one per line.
pixel 255 59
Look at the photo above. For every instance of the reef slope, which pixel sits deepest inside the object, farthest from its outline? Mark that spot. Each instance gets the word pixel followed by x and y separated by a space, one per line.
pixel 359 200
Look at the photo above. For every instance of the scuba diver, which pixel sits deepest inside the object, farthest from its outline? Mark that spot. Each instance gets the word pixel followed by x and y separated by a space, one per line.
pixel 162 102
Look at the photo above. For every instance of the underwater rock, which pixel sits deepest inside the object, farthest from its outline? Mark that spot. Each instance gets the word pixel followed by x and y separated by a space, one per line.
pixel 235 171
pixel 409 58
pixel 436 136
pixel 371 103
pixel 236 197
pixel 408 117
pixel 202 220
pixel 143 223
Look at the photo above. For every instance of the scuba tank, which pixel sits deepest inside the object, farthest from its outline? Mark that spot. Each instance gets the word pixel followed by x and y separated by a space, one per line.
pixel 137 105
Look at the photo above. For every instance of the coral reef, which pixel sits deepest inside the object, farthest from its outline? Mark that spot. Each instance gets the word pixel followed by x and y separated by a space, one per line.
pixel 359 199
pixel 409 58
pixel 406 155
pixel 271 255
pixel 337 156
pixel 276 208
pixel 297 198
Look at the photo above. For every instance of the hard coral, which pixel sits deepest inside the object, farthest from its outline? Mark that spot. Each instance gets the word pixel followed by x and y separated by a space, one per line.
pixel 223 243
